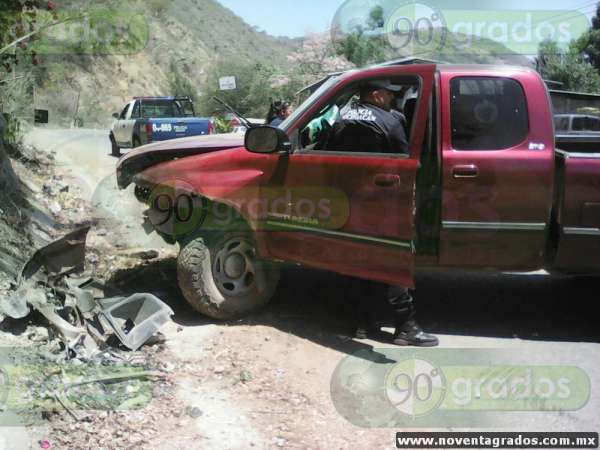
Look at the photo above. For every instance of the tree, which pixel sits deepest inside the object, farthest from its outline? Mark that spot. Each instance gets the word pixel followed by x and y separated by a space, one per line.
pixel 317 58
pixel 588 44
pixel 179 84
pixel 365 44
pixel 16 22
pixel 569 68
pixel 20 23
pixel 257 84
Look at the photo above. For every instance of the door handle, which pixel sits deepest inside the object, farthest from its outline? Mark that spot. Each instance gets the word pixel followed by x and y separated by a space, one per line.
pixel 465 171
pixel 387 180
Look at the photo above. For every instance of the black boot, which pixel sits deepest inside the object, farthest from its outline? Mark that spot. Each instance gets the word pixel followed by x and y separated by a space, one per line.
pixel 366 332
pixel 367 325
pixel 408 331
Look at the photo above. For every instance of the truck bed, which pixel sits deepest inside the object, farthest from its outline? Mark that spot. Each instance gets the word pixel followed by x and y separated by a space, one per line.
pixel 578 208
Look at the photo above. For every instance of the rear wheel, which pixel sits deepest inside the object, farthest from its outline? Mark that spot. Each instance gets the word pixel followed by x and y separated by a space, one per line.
pixel 223 278
pixel 115 150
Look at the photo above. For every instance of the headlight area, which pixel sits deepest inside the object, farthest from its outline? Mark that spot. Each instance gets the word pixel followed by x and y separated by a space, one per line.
pixel 143 190
pixel 142 194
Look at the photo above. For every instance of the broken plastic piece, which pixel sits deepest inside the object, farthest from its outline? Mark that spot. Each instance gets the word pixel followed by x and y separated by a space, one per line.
pixel 62 256
pixel 135 319
pixel 16 304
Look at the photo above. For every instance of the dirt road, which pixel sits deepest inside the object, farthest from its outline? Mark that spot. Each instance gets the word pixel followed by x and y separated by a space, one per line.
pixel 265 381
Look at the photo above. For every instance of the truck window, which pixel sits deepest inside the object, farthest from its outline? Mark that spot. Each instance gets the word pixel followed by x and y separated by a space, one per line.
pixel 561 123
pixel 586 123
pixel 123 115
pixel 136 111
pixel 487 113
pixel 160 109
pixel 324 130
pixel 186 108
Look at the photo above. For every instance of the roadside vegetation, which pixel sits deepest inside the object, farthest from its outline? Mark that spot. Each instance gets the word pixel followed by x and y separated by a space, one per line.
pixel 577 67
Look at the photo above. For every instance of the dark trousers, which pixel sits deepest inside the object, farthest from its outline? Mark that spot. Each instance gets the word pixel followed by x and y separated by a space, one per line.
pixel 395 301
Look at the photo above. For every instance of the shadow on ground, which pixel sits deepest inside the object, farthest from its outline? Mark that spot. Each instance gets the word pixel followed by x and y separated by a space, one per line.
pixel 318 306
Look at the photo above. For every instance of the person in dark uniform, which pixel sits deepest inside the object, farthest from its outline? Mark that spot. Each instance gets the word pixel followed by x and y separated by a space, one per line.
pixel 372 126
pixel 278 112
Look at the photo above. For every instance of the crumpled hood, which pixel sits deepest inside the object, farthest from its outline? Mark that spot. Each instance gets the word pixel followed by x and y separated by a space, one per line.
pixel 144 157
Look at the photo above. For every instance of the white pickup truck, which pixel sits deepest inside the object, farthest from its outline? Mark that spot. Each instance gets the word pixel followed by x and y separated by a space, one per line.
pixel 151 119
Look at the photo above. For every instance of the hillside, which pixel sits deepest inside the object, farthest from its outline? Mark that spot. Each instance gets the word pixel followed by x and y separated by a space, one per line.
pixel 192 33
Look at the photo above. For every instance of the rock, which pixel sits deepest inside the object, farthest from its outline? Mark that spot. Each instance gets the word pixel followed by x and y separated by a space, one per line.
pixel 92 259
pixel 38 334
pixel 102 232
pixel 168 367
pixel 193 412
pixel 245 376
pixel 55 208
pixel 219 369
pixel 146 255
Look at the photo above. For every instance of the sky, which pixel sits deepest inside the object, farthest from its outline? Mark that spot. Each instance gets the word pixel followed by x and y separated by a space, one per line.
pixel 294 18
pixel 290 18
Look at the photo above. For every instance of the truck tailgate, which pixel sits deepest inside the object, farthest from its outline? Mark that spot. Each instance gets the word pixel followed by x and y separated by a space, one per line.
pixel 167 129
pixel 578 211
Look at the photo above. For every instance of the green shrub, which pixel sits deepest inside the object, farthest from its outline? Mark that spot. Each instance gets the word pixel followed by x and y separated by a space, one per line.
pixel 223 125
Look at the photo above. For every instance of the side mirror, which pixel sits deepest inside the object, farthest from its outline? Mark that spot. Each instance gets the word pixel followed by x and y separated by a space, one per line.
pixel 267 139
pixel 115 115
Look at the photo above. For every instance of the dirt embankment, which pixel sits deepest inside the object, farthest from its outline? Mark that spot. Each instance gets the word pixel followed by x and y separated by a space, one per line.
pixel 38 204
pixel 18 216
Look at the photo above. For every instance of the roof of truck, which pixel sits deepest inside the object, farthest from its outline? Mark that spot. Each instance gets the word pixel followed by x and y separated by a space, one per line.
pixel 440 66
pixel 458 69
pixel 170 97
pixel 483 68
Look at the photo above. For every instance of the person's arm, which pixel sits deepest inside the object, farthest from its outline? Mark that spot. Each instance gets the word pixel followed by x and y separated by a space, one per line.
pixel 398 140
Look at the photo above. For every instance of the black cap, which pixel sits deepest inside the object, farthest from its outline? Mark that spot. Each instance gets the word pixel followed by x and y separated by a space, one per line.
pixel 381 84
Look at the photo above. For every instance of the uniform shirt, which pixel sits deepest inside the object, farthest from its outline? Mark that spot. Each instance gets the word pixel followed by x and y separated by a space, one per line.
pixel 368 128
pixel 276 122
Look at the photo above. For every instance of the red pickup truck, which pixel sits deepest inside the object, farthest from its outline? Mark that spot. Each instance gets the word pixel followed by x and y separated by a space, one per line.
pixel 483 187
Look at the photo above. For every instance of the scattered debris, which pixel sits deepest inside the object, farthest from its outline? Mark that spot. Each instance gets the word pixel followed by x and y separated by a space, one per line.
pixel 75 308
pixel 61 257
pixel 135 319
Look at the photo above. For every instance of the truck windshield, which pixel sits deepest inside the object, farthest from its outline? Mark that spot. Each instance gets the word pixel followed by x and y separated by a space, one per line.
pixel 309 102
pixel 161 109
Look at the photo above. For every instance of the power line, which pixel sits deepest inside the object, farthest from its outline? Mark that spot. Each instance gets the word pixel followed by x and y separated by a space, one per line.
pixel 569 13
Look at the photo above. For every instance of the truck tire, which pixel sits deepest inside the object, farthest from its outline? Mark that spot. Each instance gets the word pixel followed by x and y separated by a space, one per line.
pixel 222 278
pixel 114 148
